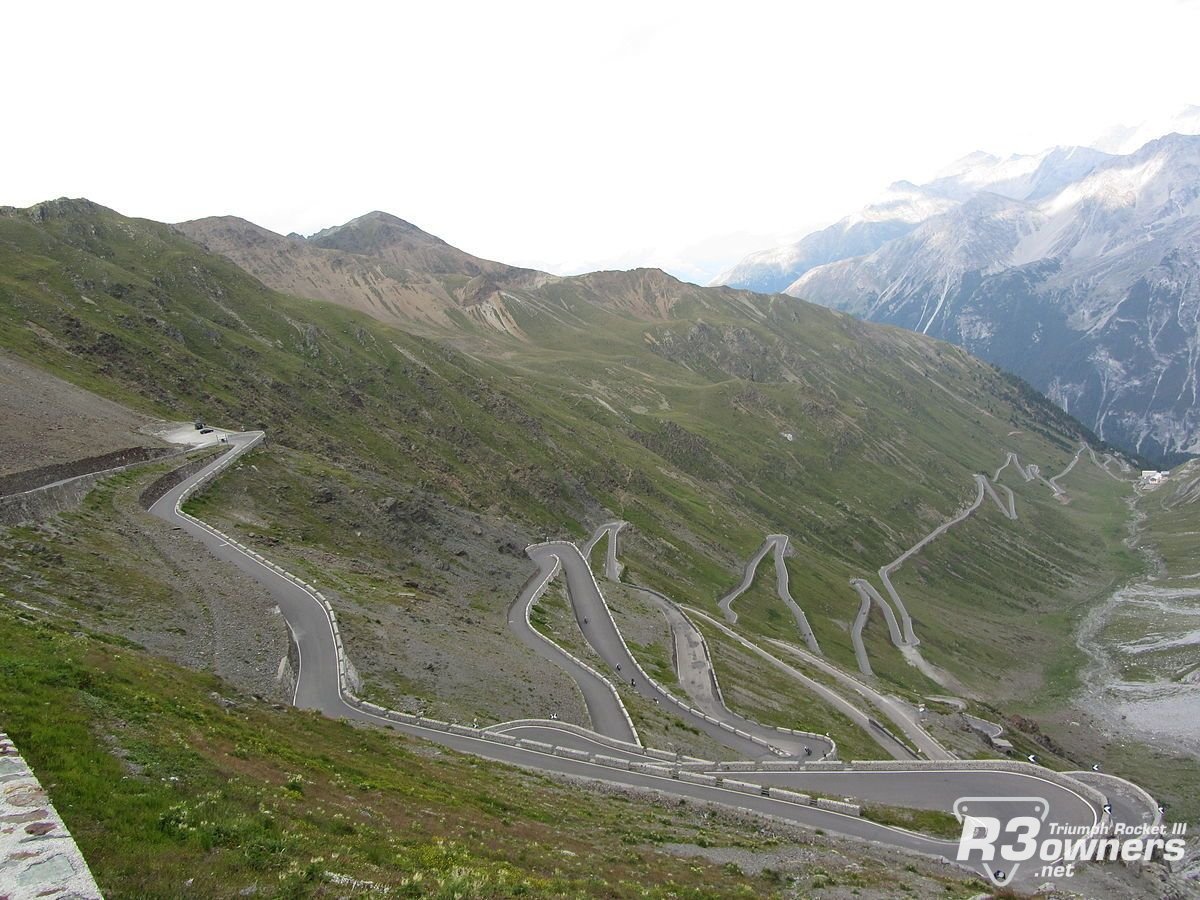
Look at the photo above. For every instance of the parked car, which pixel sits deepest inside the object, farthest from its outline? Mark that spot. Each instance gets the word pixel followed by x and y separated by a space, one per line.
pixel 206 431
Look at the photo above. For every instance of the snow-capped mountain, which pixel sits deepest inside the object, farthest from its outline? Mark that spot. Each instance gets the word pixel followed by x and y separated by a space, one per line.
pixel 1076 269
pixel 1018 177
pixel 905 205
pixel 893 215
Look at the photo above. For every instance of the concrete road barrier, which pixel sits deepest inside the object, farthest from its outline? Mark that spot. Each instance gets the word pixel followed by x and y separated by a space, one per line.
pixel 614 761
pixel 498 738
pixel 745 787
pixel 738 766
pixel 661 754
pixel 650 769
pixel 849 809
pixel 570 753
pixel 790 796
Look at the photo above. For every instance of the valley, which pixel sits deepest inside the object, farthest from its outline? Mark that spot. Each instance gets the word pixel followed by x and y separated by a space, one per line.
pixel 430 477
pixel 1140 643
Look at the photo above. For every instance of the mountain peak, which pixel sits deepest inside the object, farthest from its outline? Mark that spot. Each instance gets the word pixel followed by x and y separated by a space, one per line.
pixel 379 218
pixel 392 240
pixel 62 207
pixel 369 232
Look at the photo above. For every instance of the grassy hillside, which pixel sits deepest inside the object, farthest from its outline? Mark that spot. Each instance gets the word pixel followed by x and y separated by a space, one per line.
pixel 406 473
pixel 174 783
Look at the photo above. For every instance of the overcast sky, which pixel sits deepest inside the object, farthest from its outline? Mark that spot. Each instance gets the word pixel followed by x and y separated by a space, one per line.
pixel 566 136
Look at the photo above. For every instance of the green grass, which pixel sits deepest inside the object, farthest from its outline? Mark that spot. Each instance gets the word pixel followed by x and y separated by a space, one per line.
pixel 890 426
pixel 756 689
pixel 932 822
pixel 656 660
pixel 598 555
pixel 159 784
pixel 990 585
pixel 657 727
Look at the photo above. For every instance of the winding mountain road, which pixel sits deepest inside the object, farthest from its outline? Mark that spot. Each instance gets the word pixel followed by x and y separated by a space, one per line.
pixel 1053 482
pixel 317 684
pixel 885 572
pixel 885 739
pixel 1011 459
pixel 612 568
pixel 605 709
pixel 321 685
pixel 693 663
pixel 596 623
pixel 777 542
pixel 905 638
pixel 1009 509
pixel 897 711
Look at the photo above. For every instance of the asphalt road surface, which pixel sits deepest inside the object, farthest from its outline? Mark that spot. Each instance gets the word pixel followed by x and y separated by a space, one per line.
pixel 893 747
pixel 607 713
pixel 898 712
pixel 612 568
pixel 694 667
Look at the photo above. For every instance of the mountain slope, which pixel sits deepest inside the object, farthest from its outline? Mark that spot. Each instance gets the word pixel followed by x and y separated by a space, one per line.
pixel 404 474
pixel 377 263
pixel 911 277
pixel 1090 292
pixel 389 238
pixel 626 395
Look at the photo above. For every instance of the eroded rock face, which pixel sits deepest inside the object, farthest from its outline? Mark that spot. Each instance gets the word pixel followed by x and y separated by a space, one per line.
pixel 38 858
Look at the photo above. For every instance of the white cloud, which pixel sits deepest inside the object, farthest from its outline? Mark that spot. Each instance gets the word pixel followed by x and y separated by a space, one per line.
pixel 561 135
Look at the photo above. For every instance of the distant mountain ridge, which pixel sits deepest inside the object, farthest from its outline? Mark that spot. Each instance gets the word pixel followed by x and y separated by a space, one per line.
pixel 1074 268
pixel 377 263
pixel 892 216
pixel 392 270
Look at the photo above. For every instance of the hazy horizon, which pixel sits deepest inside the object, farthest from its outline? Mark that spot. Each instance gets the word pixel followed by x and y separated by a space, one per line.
pixel 566 140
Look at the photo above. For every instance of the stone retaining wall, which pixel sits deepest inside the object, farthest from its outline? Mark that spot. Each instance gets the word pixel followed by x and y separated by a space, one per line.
pixel 32 479
pixel 42 503
pixel 52 495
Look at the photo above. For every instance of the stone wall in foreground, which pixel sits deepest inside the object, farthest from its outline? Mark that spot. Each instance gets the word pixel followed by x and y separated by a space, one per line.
pixel 38 857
